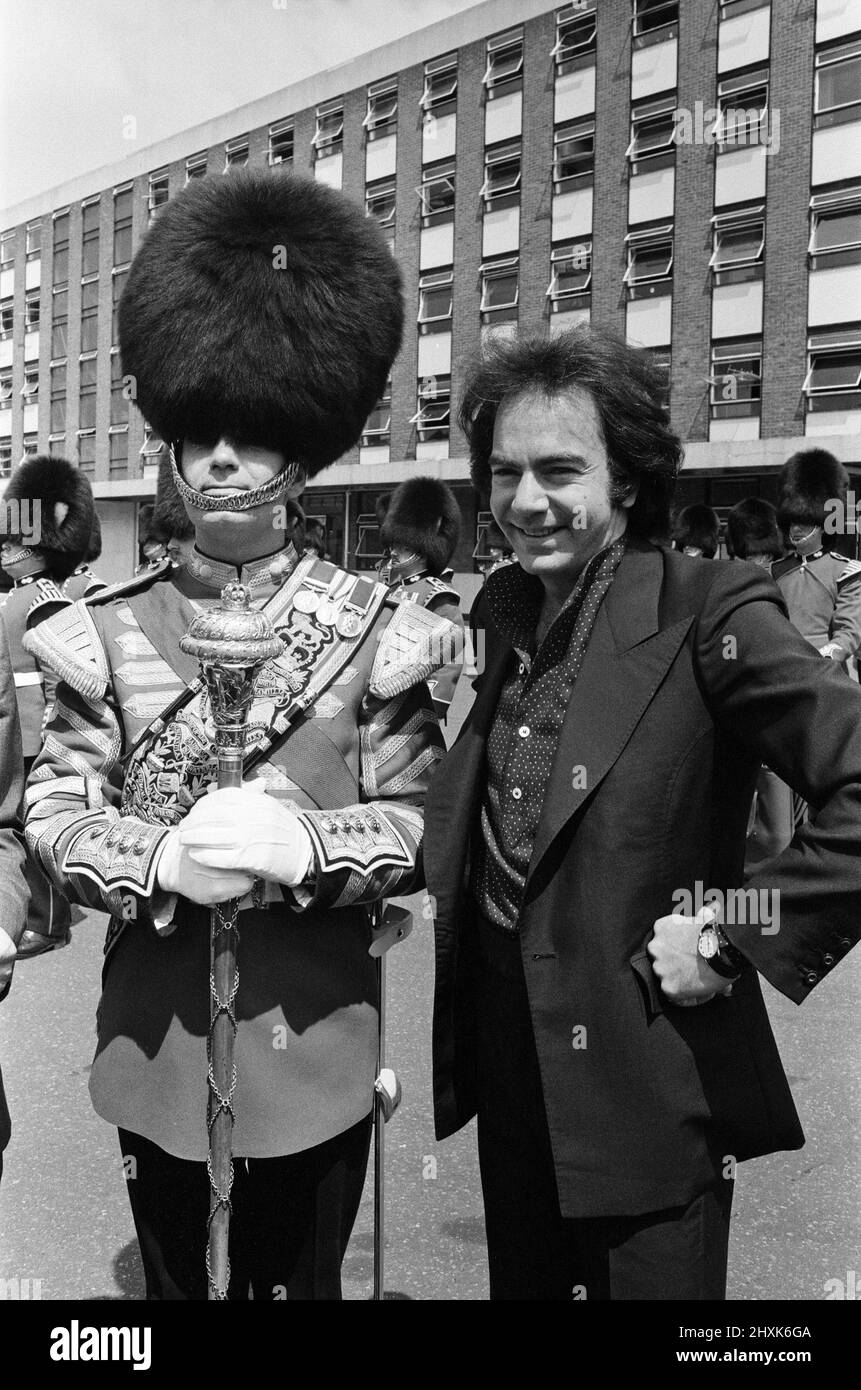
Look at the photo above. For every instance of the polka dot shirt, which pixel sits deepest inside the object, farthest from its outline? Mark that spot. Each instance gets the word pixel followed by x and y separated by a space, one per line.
pixel 534 697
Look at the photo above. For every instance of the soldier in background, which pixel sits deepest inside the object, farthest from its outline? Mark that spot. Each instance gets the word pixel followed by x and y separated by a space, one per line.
pixel 420 529
pixel 62 513
pixel 151 547
pixel 822 588
pixel 696 531
pixel 170 523
pixel 752 533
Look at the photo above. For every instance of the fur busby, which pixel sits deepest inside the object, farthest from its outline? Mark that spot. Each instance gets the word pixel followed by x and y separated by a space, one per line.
pixel 808 481
pixel 697 526
pixel 169 517
pixel 66 509
pixel 265 308
pixel 94 549
pixel 752 529
pixel 381 506
pixel 424 516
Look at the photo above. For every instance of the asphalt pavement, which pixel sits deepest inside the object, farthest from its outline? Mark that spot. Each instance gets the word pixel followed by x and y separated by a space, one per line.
pixel 64 1215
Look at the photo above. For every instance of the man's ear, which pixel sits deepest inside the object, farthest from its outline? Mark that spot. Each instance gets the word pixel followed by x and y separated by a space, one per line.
pixel 631 496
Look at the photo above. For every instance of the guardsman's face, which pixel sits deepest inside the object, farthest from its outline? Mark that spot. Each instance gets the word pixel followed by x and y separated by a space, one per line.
pixel 550 490
pixel 19 560
pixel 224 469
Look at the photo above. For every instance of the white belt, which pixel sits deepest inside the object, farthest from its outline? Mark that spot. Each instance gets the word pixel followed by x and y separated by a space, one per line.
pixel 29 678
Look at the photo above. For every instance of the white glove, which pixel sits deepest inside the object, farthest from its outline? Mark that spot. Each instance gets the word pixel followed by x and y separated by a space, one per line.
pixel 8 951
pixel 176 872
pixel 834 651
pixel 245 828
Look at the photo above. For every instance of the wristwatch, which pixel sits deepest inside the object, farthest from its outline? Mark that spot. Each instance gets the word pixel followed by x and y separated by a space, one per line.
pixel 718 952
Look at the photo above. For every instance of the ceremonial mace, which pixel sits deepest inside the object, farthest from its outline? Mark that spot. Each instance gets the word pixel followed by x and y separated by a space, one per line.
pixel 232 642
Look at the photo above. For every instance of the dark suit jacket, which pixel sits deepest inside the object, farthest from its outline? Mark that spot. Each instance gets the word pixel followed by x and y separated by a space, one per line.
pixel 693 676
pixel 14 894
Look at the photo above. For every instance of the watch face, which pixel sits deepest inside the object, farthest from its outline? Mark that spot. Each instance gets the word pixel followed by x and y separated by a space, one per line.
pixel 708 944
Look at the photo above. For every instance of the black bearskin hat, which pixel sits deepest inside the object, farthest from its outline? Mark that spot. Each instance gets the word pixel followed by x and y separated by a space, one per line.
pixel 169 517
pixel 94 549
pixel 381 506
pixel 697 526
pixel 809 480
pixel 64 520
pixel 264 308
pixel 752 529
pixel 424 516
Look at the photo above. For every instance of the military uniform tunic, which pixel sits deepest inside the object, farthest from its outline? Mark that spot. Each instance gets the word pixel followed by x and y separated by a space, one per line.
pixel 823 595
pixel 354 766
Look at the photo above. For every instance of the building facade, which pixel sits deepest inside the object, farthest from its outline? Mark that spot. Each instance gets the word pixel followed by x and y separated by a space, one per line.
pixel 687 173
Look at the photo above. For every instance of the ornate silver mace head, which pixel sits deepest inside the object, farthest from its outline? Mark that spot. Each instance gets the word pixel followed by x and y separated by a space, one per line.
pixel 232 642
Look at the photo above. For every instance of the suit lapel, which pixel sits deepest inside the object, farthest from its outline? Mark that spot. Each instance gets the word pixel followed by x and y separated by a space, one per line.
pixel 625 662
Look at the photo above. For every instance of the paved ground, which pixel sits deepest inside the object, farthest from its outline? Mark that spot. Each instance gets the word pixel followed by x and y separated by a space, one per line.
pixel 64 1216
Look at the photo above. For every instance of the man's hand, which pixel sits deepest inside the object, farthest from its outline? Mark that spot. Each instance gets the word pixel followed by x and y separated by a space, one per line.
pixel 176 872
pixel 7 961
pixel 686 979
pixel 245 828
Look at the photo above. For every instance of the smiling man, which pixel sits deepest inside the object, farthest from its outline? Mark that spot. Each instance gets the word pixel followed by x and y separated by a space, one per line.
pixel 618 1056
pixel 259 384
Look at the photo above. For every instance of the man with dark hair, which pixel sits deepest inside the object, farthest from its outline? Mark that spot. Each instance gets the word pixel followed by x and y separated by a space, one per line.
pixel 617 1053
pixel 696 531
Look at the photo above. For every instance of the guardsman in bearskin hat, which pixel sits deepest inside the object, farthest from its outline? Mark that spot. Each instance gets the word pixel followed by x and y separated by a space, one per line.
pixel 260 320
pixel 49 513
pixel 696 531
pixel 822 588
pixel 419 528
pixel 752 532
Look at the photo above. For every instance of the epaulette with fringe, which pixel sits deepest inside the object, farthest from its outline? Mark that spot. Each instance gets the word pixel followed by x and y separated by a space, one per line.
pixel 415 643
pixel 69 645
pixel 851 573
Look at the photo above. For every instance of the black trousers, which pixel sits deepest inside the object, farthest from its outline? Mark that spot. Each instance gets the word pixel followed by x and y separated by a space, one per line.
pixel 533 1251
pixel 289 1230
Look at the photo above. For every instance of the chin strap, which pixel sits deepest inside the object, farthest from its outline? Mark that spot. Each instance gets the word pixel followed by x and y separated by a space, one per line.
pixel 243 501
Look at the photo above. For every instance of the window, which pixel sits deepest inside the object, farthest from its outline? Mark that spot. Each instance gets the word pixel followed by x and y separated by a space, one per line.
pixel 152 446
pixel 379 423
pixel 662 360
pixel 573 152
pixel 90 321
pixel 117 287
pixel 329 135
pixel 437 189
pixel 570 270
pixel 650 256
pixel 281 142
pixel 501 171
pixel 651 15
pixel 30 389
pixel 34 239
pixel 60 272
pixel 504 58
pixel 499 285
pixel 90 230
pixel 31 445
pixel 5 458
pixel 833 380
pixel 158 191
pixel 87 450
pixel 435 296
pixel 195 166
pixel 59 323
pixel 653 130
pixel 838 84
pixel 123 226
pixel 380 202
pixel 118 450
pixel 119 401
pixel 5 387
pixel 56 445
pixel 576 27
pixel 835 225
pixel 382 110
pixel 58 399
pixel 6 316
pixel 236 153
pixel 7 248
pixel 735 384
pixel 742 110
pixel 31 310
pixel 433 415
pixel 87 393
pixel 738 239
pixel 440 82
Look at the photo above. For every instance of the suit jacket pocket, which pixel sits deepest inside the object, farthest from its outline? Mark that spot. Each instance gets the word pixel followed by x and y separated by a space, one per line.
pixel 650 987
